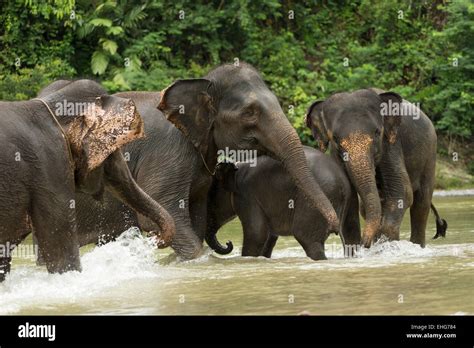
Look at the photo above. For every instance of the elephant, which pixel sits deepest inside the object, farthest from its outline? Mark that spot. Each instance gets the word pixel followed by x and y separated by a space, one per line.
pixel 187 124
pixel 49 155
pixel 167 166
pixel 268 204
pixel 388 149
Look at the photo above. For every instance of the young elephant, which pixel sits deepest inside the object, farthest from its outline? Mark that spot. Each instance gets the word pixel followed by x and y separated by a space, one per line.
pixel 68 140
pixel 388 149
pixel 270 205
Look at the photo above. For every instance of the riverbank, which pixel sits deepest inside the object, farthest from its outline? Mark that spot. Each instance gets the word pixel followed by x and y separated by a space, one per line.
pixel 452 193
pixel 453 175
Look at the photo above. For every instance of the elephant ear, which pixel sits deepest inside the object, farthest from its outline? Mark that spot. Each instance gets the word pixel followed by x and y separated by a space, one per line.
pixel 314 121
pixel 105 126
pixel 188 104
pixel 391 113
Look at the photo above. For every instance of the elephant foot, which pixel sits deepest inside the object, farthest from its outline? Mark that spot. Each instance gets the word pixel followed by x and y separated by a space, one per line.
pixel 389 232
pixel 62 267
pixel 188 252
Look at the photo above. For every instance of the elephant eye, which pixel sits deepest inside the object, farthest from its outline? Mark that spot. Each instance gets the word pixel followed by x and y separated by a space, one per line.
pixel 377 132
pixel 249 112
pixel 250 115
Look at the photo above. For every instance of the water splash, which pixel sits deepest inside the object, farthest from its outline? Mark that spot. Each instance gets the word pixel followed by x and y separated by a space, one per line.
pixel 131 256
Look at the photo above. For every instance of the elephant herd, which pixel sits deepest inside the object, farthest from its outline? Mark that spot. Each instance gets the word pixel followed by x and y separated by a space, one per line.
pixel 79 166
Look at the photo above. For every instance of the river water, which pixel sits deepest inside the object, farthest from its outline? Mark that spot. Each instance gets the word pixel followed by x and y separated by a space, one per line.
pixel 129 276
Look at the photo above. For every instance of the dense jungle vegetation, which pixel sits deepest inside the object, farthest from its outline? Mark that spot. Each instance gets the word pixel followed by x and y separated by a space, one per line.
pixel 305 50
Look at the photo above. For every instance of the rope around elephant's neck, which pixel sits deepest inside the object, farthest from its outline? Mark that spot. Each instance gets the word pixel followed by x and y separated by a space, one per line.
pixel 68 146
pixel 205 165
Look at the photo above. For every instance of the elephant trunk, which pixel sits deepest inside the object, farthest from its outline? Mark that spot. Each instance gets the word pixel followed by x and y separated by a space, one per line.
pixel 287 148
pixel 120 183
pixel 219 210
pixel 362 175
pixel 214 244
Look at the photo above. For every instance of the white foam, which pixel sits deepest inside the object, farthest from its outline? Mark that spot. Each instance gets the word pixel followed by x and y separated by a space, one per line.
pixel 131 256
pixel 381 254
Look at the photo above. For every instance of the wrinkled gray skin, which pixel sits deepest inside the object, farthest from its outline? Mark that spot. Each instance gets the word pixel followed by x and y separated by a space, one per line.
pixel 390 160
pixel 39 182
pixel 231 107
pixel 167 166
pixel 269 205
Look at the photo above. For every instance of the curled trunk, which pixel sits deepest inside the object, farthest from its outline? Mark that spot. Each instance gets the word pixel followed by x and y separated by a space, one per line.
pixel 214 244
pixel 220 210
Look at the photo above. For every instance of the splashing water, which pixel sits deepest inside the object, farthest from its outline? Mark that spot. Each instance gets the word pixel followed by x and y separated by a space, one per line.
pixel 131 276
pixel 131 256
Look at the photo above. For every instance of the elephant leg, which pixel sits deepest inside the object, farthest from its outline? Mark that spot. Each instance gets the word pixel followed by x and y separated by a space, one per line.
pixel 5 260
pixel 393 210
pixel 198 214
pixel 186 243
pixel 392 216
pixel 13 227
pixel 269 245
pixel 5 266
pixel 313 247
pixel 395 193
pixel 351 234
pixel 419 213
pixel 255 230
pixel 55 227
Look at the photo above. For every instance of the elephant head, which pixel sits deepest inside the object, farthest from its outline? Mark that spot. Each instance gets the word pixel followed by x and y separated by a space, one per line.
pixel 358 132
pixel 96 126
pixel 232 108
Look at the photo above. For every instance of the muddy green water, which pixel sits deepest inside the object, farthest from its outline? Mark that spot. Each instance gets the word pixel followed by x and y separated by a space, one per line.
pixel 130 277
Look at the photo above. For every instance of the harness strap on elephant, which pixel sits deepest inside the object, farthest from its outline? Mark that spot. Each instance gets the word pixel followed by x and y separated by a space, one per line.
pixel 68 146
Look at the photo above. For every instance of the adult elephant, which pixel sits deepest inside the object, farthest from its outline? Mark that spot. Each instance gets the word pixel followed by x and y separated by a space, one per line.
pixel 388 148
pixel 67 141
pixel 230 108
pixel 167 166
pixel 269 205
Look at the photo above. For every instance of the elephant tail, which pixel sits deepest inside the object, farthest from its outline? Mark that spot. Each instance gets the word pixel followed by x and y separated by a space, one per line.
pixel 441 224
pixel 215 245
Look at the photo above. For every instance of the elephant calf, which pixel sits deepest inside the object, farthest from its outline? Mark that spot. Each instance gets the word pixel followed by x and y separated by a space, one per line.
pixel 269 205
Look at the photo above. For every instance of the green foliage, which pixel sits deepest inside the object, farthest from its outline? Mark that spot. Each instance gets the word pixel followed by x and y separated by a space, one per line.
pixel 453 95
pixel 305 50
